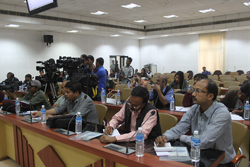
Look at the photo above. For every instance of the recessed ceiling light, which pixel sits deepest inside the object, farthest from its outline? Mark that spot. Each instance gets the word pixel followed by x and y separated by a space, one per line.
pixel 170 16
pixel 140 21
pixel 224 30
pixel 12 25
pixel 73 31
pixel 131 6
pixel 165 35
pixel 99 13
pixel 192 33
pixel 116 35
pixel 246 3
pixel 24 2
pixel 207 10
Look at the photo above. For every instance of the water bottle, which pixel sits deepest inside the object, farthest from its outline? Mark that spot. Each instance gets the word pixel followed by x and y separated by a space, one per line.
pixel 78 128
pixel 116 75
pixel 136 85
pixel 195 147
pixel 128 84
pixel 5 97
pixel 17 106
pixel 189 87
pixel 172 105
pixel 118 98
pixel 43 115
pixel 246 111
pixel 103 96
pixel 3 83
pixel 139 145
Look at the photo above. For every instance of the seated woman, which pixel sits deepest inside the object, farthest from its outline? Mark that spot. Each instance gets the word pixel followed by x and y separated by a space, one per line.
pixel 180 85
pixel 143 73
pixel 112 74
pixel 139 82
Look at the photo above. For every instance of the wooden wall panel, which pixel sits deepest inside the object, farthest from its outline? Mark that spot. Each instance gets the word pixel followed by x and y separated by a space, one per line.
pixel 99 163
pixel 25 151
pixel 50 158
pixel 16 144
pixel 20 146
pixel 109 163
pixel 31 156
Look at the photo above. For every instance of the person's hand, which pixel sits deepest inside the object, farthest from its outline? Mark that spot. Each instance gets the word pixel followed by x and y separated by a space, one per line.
pixel 176 90
pixel 190 90
pixel 36 114
pixel 11 95
pixel 160 141
pixel 49 116
pixel 122 75
pixel 237 111
pixel 107 131
pixel 107 139
pixel 157 87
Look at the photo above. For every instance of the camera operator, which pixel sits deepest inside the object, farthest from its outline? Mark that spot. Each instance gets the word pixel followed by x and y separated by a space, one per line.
pixel 84 64
pixel 10 78
pixel 35 96
pixel 90 62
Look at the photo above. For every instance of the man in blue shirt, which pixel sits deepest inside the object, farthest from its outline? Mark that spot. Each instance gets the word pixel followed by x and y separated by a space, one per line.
pixel 101 73
pixel 205 71
pixel 161 93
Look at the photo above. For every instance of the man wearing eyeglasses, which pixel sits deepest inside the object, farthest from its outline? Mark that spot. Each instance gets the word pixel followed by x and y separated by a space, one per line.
pixel 187 100
pixel 210 118
pixel 161 93
pixel 235 99
pixel 133 113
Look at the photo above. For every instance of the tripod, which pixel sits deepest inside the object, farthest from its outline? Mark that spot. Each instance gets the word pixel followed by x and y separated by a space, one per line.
pixel 53 92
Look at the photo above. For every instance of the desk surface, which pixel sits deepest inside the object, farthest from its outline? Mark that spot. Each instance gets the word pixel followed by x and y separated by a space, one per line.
pixel 94 146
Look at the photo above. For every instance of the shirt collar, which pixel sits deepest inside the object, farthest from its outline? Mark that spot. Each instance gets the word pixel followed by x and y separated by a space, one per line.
pixel 210 110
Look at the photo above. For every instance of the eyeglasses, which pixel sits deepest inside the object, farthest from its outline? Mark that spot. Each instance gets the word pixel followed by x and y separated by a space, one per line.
pixel 133 106
pixel 198 91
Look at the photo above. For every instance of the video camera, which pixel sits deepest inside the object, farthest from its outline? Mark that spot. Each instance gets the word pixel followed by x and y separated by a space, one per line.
pixel 11 85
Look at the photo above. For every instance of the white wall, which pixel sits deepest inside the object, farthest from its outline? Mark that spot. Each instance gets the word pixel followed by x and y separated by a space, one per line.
pixel 20 49
pixel 171 53
pixel 237 50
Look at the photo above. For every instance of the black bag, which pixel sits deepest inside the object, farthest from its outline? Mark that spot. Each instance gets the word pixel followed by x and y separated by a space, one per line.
pixel 9 105
pixel 63 122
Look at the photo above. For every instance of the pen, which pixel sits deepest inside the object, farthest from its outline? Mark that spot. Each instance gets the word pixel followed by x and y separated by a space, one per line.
pixel 162 140
pixel 109 128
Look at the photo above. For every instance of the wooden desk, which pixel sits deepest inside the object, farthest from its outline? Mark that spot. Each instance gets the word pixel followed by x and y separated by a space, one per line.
pixel 244 146
pixel 29 140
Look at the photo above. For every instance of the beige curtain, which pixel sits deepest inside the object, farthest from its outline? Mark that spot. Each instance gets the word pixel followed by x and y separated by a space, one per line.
pixel 212 52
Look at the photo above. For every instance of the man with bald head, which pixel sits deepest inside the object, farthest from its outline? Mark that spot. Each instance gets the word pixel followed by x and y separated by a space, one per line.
pixel 61 100
pixel 161 93
pixel 210 118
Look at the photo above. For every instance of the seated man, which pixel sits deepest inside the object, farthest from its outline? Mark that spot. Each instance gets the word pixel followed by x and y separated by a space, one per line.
pixel 204 71
pixel 10 78
pixel 209 117
pixel 161 93
pixel 61 100
pixel 76 101
pixel 139 81
pixel 235 99
pixel 28 78
pixel 248 78
pixel 134 112
pixel 35 96
pixel 187 100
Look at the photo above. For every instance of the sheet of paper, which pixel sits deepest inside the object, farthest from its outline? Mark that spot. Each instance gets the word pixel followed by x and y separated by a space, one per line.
pixel 181 109
pixel 115 133
pixel 159 154
pixel 167 147
pixel 236 117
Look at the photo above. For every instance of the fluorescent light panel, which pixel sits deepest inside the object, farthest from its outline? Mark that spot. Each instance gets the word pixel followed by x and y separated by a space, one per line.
pixel 116 35
pixel 224 30
pixel 12 25
pixel 140 21
pixel 131 6
pixel 192 33
pixel 207 10
pixel 247 3
pixel 99 13
pixel 170 16
pixel 73 31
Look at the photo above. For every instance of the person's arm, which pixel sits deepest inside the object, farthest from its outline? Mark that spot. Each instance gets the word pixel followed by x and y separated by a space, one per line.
pixel 184 87
pixel 151 95
pixel 48 112
pixel 187 100
pixel 146 128
pixel 182 127
pixel 133 84
pixel 131 72
pixel 213 131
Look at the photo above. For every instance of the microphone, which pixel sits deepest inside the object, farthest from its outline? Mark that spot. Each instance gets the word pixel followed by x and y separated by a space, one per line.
pixel 152 113
pixel 85 97
pixel 6 111
pixel 30 109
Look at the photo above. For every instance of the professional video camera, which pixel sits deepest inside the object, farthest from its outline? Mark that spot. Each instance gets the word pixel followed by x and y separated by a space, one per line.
pixel 11 85
pixel 70 65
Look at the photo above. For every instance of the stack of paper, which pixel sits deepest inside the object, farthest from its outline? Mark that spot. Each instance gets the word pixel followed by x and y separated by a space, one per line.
pixel 163 151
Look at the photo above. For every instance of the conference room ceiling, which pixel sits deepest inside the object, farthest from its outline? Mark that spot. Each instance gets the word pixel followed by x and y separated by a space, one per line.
pixel 153 11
